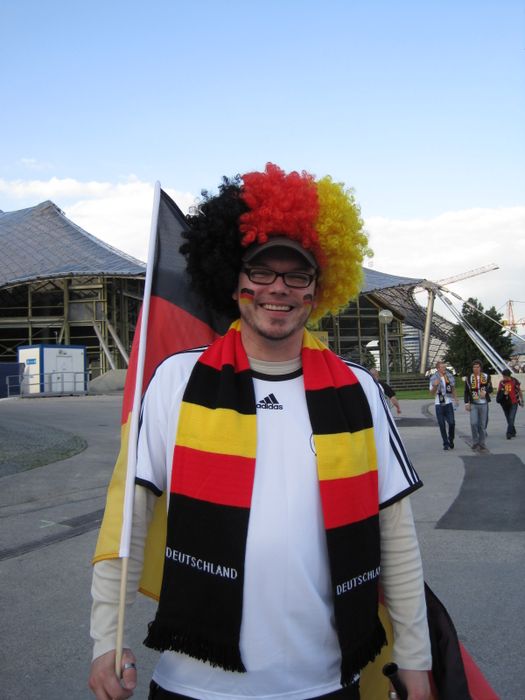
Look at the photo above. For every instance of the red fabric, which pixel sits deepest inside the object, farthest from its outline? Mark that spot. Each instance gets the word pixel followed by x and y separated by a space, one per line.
pixel 223 479
pixel 170 330
pixel 510 387
pixel 349 500
pixel 230 352
pixel 478 685
pixel 330 373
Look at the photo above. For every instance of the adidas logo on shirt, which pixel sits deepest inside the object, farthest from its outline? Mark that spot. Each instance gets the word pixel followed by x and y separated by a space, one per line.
pixel 270 402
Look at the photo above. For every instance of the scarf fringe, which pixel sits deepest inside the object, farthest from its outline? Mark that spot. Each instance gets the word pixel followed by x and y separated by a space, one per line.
pixel 354 661
pixel 162 638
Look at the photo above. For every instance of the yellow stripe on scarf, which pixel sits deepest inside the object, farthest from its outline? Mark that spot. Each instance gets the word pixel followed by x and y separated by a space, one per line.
pixel 346 454
pixel 219 430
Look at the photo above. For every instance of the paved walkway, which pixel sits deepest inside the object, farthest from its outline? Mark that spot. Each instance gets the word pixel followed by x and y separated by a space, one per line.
pixel 50 514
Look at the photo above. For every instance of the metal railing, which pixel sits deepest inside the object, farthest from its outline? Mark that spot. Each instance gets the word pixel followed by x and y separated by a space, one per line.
pixel 48 384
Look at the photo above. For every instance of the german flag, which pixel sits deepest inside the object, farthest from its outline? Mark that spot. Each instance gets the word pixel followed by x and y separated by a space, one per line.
pixel 172 318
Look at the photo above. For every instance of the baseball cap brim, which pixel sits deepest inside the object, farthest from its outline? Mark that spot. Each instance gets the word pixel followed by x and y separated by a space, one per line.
pixel 280 242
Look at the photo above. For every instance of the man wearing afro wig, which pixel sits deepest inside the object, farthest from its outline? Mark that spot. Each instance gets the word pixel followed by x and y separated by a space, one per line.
pixel 288 518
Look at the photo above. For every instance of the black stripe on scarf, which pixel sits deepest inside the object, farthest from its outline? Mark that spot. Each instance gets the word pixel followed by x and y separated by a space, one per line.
pixel 339 410
pixel 209 631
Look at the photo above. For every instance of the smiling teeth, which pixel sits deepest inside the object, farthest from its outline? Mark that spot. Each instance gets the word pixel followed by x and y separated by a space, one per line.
pixel 277 307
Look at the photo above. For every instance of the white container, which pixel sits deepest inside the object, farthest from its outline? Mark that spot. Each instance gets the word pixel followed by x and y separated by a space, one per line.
pixel 53 369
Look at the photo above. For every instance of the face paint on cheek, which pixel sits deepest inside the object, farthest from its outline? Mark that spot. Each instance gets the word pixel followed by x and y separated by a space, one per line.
pixel 246 296
pixel 308 300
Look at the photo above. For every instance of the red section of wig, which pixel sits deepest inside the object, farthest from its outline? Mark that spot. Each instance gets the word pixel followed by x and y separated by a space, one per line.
pixel 280 204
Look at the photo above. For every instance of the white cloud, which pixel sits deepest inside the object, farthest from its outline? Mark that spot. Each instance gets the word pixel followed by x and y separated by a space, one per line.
pixel 453 243
pixel 119 214
pixel 55 188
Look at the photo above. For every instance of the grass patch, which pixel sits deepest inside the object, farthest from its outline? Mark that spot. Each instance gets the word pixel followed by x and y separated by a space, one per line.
pixel 425 393
pixel 413 394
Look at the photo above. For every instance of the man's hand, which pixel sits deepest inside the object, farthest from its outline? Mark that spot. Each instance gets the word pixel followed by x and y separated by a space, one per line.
pixel 103 680
pixel 416 683
pixel 467 407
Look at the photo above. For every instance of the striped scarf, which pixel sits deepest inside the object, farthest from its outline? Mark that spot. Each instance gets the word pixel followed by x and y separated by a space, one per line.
pixel 477 383
pixel 200 606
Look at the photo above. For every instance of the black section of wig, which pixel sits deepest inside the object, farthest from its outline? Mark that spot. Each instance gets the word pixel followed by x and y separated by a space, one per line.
pixel 213 248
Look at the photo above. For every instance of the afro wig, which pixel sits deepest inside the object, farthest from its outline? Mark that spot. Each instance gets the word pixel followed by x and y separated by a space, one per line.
pixel 320 215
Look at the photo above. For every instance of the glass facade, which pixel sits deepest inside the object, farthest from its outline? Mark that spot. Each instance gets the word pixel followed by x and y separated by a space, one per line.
pixel 356 334
pixel 72 311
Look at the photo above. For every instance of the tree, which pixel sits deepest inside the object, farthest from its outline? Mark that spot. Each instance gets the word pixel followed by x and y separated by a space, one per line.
pixel 461 349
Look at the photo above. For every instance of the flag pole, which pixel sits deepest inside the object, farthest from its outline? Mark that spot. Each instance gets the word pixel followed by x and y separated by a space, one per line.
pixel 129 493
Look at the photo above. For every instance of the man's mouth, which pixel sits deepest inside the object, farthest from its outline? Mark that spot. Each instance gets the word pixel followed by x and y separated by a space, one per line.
pixel 277 307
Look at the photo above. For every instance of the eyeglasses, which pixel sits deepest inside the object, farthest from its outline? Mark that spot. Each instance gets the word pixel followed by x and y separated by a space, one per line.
pixel 295 280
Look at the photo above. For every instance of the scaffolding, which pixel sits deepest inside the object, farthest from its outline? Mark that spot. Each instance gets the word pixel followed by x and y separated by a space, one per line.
pixel 61 285
pixel 98 312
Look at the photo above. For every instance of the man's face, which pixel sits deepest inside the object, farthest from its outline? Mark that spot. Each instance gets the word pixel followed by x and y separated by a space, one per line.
pixel 275 312
pixel 476 368
pixel 441 367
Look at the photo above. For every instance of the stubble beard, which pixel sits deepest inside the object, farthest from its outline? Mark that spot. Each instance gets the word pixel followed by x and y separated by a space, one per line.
pixel 276 332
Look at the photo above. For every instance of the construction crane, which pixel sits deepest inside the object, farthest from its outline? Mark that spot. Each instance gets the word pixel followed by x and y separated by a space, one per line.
pixel 511 322
pixel 470 273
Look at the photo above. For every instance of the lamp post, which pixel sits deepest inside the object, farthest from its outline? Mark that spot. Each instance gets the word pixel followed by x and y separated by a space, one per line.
pixel 385 317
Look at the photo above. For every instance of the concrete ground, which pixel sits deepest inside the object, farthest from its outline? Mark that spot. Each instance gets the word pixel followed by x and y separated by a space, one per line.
pixel 50 515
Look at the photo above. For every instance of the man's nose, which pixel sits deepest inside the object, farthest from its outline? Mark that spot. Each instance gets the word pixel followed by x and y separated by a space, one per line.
pixel 278 285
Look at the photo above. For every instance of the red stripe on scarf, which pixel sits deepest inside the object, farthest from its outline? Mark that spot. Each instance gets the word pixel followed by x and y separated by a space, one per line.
pixel 332 372
pixel 230 352
pixel 348 501
pixel 216 478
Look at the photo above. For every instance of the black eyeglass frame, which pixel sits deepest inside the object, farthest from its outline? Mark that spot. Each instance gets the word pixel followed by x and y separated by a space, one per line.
pixel 311 277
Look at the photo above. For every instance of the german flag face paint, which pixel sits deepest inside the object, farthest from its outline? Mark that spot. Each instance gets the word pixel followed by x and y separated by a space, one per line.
pixel 308 301
pixel 246 296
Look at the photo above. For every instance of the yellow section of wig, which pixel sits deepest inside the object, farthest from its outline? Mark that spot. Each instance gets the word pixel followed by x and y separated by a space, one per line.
pixel 343 242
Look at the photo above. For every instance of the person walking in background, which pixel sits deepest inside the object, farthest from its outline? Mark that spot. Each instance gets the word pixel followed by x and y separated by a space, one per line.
pixel 443 387
pixel 509 397
pixel 387 390
pixel 477 396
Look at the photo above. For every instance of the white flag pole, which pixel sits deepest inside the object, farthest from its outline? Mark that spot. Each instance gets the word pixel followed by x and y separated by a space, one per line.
pixel 129 492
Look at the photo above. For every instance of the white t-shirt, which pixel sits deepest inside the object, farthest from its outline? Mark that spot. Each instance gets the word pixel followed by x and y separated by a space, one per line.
pixel 442 389
pixel 288 640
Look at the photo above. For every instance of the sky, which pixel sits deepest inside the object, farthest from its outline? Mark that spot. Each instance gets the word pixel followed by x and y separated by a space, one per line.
pixel 419 107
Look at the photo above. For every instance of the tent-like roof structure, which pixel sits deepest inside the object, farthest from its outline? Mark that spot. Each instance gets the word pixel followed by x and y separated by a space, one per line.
pixel 397 293
pixel 376 281
pixel 42 243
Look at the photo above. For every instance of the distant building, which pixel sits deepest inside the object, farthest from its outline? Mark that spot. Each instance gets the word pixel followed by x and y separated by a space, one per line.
pixel 357 333
pixel 60 284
